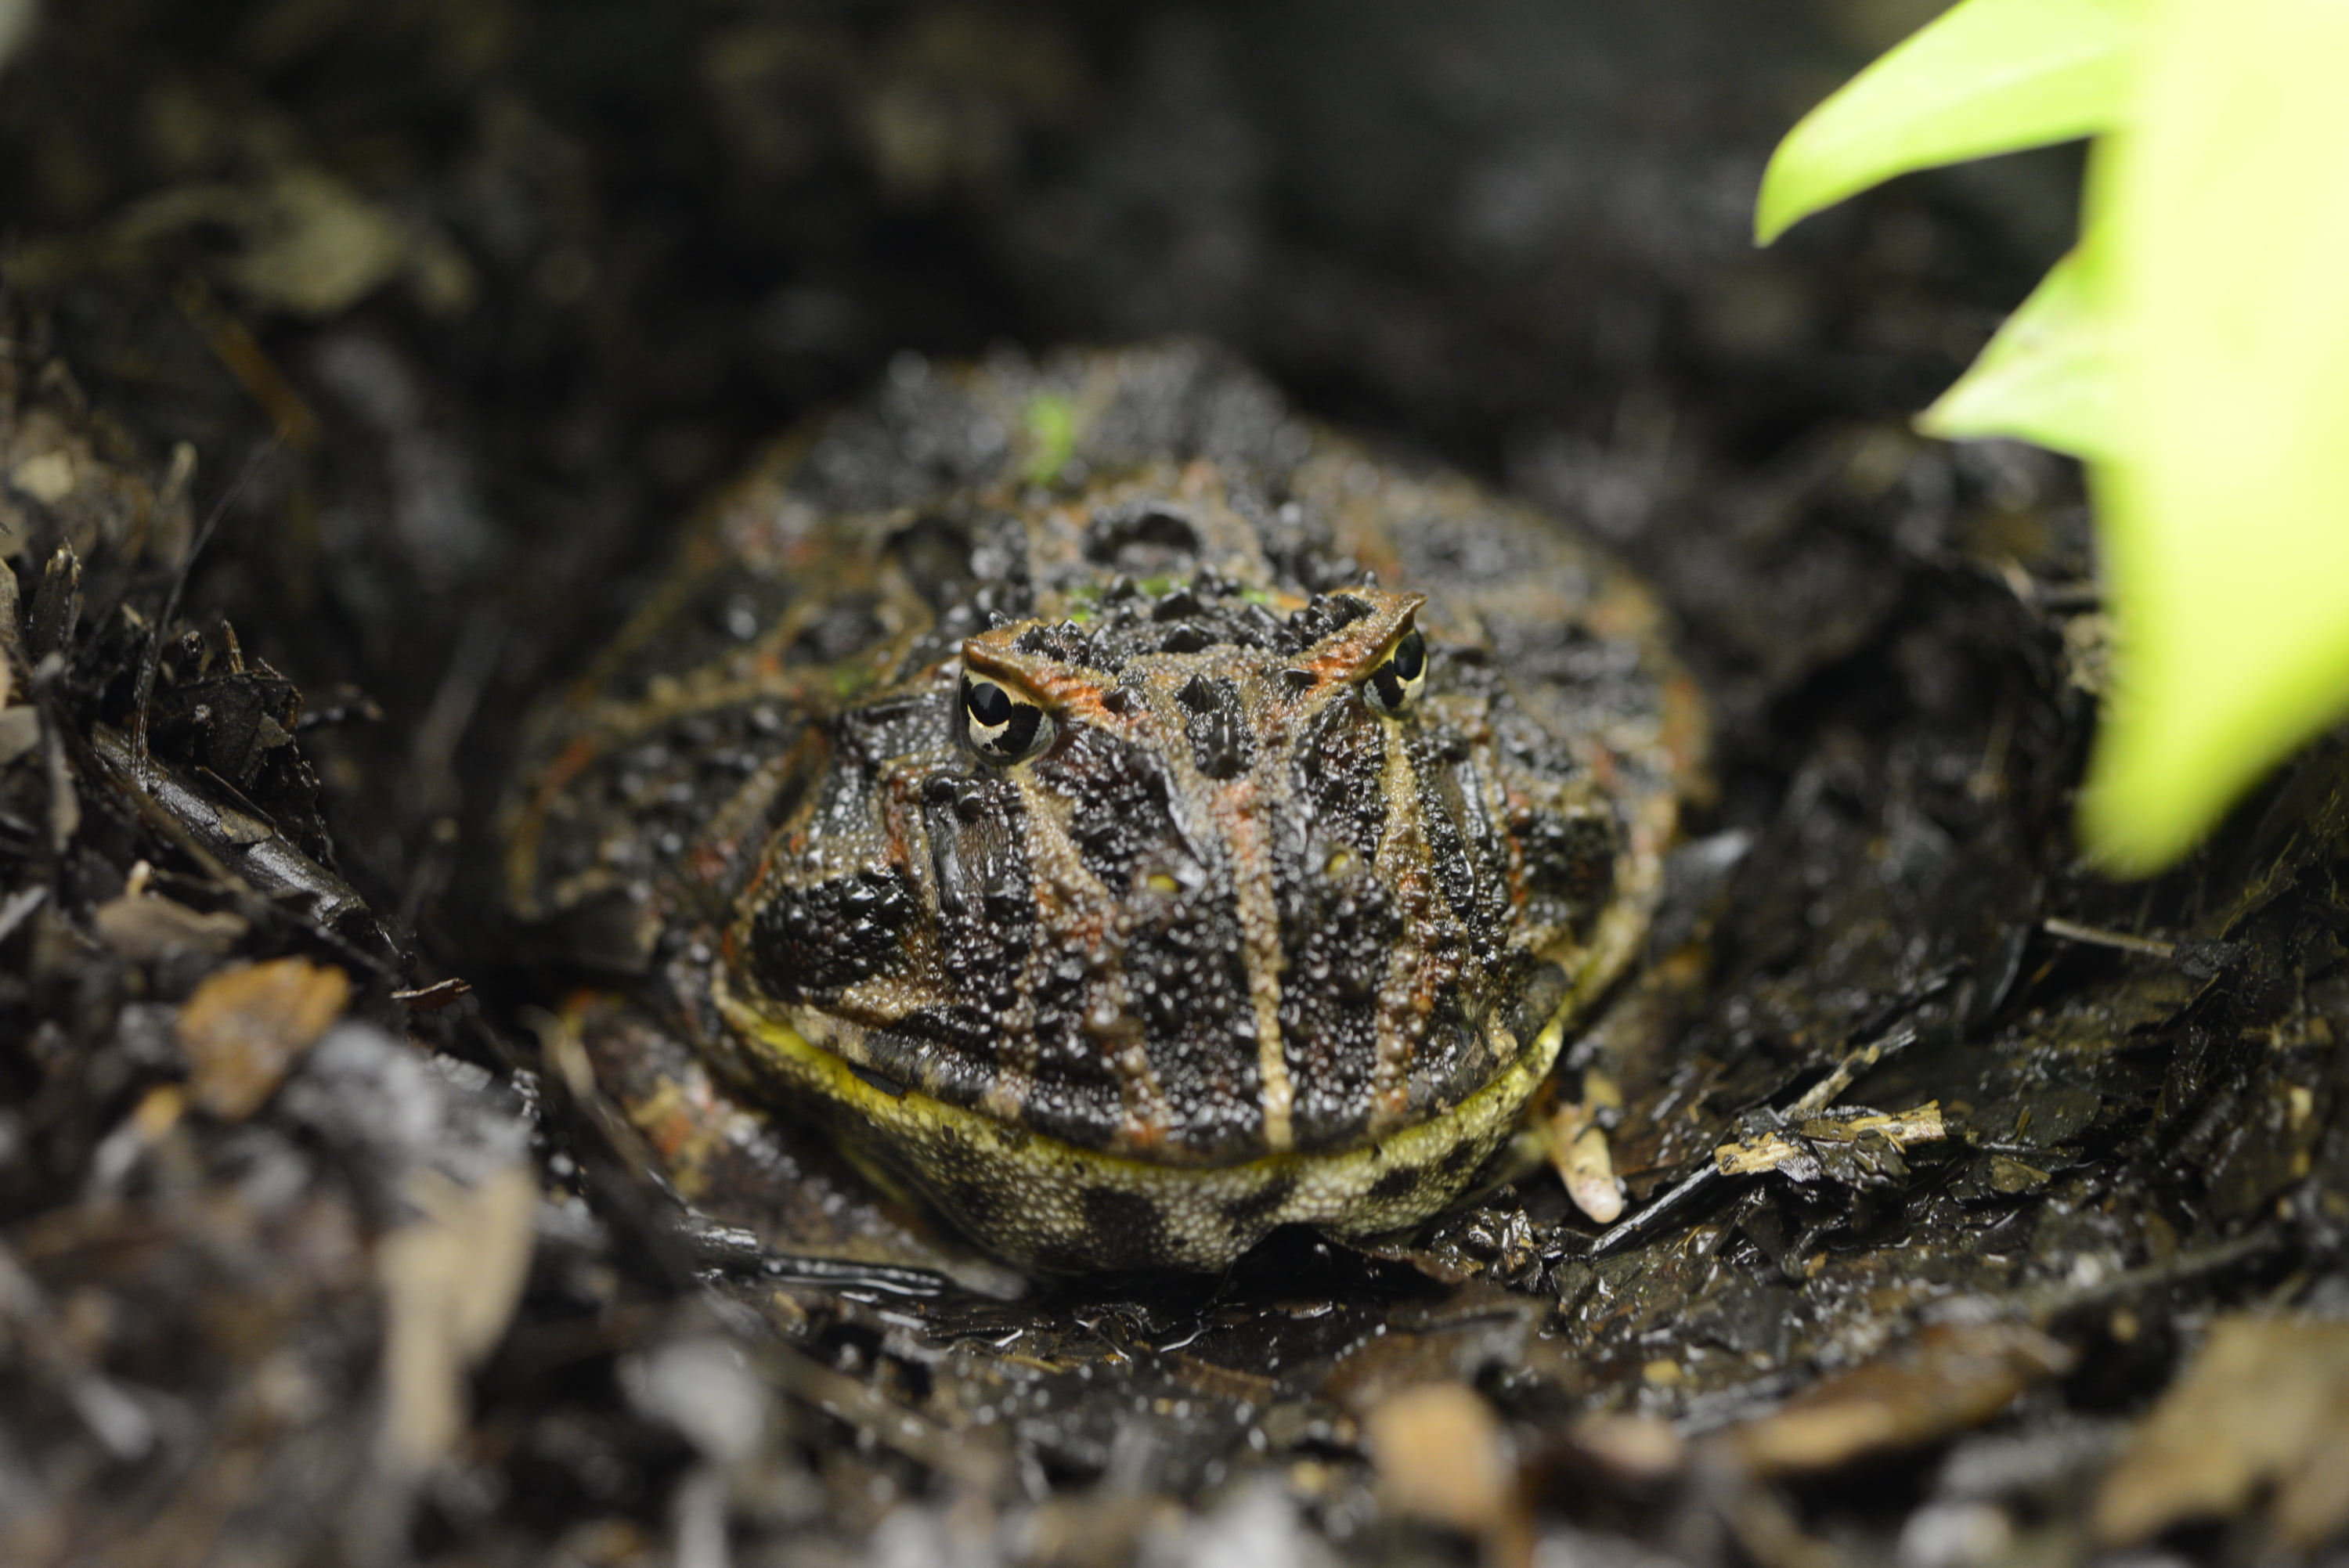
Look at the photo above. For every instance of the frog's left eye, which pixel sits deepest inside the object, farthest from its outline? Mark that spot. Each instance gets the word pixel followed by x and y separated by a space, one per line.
pixel 1000 727
pixel 1395 684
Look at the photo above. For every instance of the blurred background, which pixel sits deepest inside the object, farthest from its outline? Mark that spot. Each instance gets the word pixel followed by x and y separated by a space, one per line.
pixel 522 282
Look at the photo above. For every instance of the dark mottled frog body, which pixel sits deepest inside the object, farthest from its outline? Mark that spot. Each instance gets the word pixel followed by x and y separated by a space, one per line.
pixel 1128 814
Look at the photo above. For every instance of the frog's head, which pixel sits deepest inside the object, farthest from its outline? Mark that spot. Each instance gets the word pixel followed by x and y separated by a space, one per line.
pixel 1194 874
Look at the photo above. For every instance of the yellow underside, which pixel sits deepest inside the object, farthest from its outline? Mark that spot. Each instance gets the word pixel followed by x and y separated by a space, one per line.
pixel 1040 1200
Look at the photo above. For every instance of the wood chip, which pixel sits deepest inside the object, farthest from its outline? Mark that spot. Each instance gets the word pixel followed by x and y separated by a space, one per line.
pixel 245 1029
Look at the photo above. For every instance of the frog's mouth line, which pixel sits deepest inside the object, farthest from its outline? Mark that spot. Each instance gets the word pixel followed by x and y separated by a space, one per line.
pixel 1050 1204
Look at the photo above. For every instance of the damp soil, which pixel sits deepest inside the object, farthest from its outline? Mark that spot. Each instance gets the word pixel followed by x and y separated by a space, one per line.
pixel 358 366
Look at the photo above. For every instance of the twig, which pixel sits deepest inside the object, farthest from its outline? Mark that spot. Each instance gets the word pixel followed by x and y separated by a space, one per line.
pixel 433 997
pixel 2097 936
pixel 1814 1099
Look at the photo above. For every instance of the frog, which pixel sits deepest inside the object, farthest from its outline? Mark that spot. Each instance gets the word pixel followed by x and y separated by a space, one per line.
pixel 1124 814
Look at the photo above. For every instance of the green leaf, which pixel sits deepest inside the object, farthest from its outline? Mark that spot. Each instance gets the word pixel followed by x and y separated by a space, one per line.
pixel 2046 376
pixel 1985 76
pixel 2222 218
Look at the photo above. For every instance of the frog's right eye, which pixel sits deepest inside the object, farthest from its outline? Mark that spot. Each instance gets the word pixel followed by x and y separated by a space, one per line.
pixel 1396 683
pixel 1000 727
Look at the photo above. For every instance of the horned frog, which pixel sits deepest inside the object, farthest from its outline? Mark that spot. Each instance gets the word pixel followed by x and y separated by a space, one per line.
pixel 1126 814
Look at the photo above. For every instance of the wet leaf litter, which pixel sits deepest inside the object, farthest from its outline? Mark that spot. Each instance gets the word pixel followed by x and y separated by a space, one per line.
pixel 1972 1207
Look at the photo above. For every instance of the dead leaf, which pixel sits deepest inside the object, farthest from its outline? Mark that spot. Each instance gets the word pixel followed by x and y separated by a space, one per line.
pixel 245 1029
pixel 314 246
pixel 1442 1457
pixel 20 726
pixel 146 929
pixel 1492 1326
pixel 1631 1447
pixel 2265 1403
pixel 1946 1379
pixel 48 477
pixel 450 1283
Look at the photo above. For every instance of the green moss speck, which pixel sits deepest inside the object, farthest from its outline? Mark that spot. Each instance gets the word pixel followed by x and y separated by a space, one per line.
pixel 1051 421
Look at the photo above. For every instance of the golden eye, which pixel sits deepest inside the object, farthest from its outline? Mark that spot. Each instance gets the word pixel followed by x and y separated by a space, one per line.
pixel 1395 684
pixel 998 726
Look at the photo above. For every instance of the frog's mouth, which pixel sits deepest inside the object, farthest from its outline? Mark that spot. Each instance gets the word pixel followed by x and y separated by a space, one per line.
pixel 1056 1207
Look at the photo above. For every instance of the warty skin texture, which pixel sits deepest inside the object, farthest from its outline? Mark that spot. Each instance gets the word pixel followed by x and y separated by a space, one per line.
pixel 1221 830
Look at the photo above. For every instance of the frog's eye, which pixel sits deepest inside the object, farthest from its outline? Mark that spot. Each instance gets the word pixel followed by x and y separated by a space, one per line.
pixel 1395 684
pixel 999 726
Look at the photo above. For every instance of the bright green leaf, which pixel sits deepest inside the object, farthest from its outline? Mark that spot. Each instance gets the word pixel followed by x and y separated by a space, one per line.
pixel 2045 377
pixel 1985 76
pixel 2222 218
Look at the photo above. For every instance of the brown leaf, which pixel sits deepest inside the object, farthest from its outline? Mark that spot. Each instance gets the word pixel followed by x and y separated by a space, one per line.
pixel 147 929
pixel 20 726
pixel 1630 1447
pixel 1946 1379
pixel 1442 1457
pixel 451 1282
pixel 245 1027
pixel 2265 1402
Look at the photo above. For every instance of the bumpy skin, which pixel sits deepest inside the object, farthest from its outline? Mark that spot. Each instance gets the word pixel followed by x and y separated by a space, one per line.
pixel 1259 933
